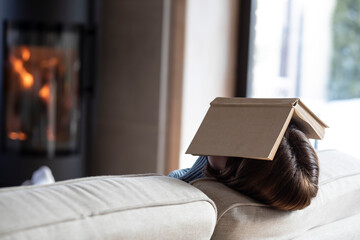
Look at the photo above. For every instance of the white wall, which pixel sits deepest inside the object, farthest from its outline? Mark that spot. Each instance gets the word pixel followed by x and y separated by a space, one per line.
pixel 210 51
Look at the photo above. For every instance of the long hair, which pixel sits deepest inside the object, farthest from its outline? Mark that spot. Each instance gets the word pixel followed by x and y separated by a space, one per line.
pixel 288 182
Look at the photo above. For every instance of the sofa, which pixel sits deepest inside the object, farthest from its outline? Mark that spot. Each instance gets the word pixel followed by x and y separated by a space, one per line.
pixel 150 206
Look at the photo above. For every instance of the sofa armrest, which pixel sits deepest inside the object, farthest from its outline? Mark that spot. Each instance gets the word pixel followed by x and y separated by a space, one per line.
pixel 108 207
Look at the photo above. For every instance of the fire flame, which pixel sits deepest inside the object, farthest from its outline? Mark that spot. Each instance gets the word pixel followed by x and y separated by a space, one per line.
pixel 17 136
pixel 25 54
pixel 44 92
pixel 26 77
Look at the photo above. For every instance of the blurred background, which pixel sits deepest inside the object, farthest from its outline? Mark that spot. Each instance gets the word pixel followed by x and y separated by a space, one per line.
pixel 99 87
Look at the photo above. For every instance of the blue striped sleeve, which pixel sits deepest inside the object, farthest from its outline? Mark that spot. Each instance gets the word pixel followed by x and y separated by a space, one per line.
pixel 179 173
pixel 193 173
pixel 196 171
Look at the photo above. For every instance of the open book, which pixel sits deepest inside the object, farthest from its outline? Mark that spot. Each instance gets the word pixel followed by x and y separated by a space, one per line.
pixel 251 127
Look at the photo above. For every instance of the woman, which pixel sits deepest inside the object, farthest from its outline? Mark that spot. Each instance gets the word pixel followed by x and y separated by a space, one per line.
pixel 288 182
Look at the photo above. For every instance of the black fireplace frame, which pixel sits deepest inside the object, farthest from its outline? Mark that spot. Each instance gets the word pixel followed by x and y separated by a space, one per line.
pixel 15 168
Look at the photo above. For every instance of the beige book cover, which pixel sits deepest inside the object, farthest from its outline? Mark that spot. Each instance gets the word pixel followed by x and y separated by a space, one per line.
pixel 251 127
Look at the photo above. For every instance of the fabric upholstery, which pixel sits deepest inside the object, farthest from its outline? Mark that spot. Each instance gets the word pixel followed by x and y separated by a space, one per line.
pixel 347 229
pixel 240 217
pixel 109 207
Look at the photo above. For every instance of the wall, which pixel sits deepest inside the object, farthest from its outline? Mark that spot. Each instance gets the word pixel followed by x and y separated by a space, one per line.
pixel 126 127
pixel 143 89
pixel 209 70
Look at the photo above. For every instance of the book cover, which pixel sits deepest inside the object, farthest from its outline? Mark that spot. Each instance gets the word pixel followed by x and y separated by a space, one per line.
pixel 251 127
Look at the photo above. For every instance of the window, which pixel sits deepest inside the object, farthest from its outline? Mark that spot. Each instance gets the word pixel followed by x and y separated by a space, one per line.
pixel 311 49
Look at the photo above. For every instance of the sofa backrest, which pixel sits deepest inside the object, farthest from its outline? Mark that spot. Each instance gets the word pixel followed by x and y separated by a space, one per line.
pixel 338 198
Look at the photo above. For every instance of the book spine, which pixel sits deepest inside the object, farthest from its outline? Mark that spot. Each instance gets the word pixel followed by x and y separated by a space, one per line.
pixel 277 102
pixel 253 104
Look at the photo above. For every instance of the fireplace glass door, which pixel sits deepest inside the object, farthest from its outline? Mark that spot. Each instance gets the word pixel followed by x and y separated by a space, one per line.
pixel 42 110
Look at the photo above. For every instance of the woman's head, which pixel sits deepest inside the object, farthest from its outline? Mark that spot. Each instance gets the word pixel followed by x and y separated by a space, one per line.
pixel 288 182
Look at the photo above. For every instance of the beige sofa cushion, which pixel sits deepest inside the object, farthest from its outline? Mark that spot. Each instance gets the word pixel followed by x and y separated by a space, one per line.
pixel 240 217
pixel 109 207
pixel 347 229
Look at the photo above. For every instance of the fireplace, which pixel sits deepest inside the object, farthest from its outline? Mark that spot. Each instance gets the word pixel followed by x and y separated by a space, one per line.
pixel 47 69
pixel 42 74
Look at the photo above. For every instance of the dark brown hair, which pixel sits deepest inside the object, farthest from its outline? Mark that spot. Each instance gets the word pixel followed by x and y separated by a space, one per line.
pixel 288 182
